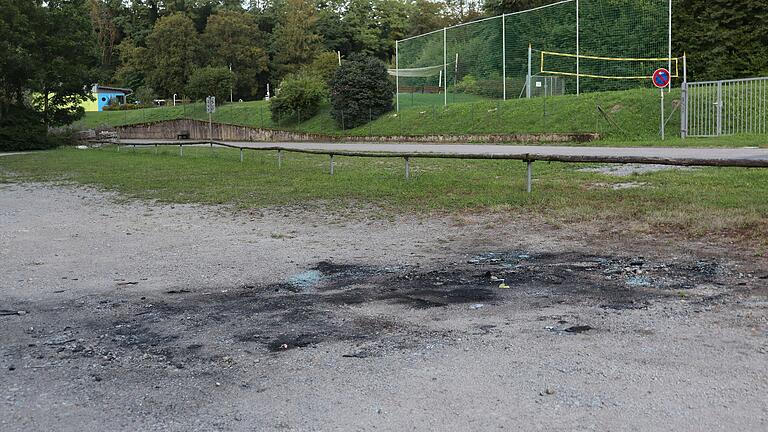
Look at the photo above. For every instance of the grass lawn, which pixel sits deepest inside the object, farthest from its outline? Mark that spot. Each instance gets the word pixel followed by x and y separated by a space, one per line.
pixel 626 115
pixel 695 202
pixel 628 118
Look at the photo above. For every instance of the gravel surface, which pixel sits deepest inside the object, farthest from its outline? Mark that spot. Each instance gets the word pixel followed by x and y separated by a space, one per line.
pixel 128 316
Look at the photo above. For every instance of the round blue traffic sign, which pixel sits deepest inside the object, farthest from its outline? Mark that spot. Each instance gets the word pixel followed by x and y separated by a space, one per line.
pixel 661 78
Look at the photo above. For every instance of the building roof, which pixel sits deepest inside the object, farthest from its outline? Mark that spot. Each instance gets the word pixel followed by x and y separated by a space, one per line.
pixel 105 89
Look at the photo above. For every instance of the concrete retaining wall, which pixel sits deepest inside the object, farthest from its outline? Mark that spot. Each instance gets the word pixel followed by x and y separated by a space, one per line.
pixel 198 130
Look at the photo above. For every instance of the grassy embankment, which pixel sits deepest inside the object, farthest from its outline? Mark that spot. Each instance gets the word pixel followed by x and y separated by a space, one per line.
pixel 701 201
pixel 629 118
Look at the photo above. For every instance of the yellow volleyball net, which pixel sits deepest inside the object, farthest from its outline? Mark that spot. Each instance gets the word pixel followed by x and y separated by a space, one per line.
pixel 604 68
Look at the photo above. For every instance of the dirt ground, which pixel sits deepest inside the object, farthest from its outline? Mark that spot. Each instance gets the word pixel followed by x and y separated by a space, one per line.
pixel 127 316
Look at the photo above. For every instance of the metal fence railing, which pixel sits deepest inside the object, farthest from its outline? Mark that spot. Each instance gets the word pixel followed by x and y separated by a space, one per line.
pixel 730 107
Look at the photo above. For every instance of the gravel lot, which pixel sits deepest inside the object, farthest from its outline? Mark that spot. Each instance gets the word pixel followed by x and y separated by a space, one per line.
pixel 127 316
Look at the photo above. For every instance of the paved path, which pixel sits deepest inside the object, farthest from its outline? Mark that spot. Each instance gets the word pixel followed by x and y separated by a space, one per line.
pixel 743 157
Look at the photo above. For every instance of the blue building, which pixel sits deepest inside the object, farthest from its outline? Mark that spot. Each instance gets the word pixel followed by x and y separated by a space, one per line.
pixel 104 95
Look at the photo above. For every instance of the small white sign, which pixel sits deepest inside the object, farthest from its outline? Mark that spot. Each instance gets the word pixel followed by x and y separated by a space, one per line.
pixel 210 104
pixel 538 84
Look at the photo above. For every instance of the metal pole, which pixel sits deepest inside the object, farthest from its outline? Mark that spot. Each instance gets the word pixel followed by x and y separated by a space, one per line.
pixel 445 65
pixel 578 52
pixel 241 155
pixel 685 101
pixel 181 150
pixel 662 114
pixel 331 164
pixel 528 78
pixel 504 55
pixel 670 45
pixel 719 108
pixel 529 175
pixel 407 168
pixel 397 75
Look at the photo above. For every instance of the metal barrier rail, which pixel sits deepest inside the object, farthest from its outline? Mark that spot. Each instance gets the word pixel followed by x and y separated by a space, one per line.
pixel 760 161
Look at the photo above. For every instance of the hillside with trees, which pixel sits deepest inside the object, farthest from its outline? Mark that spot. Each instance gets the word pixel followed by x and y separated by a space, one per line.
pixel 50 52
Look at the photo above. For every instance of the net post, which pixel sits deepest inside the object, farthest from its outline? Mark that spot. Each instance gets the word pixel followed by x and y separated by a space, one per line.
pixel 397 76
pixel 445 66
pixel 504 54
pixel 528 77
pixel 670 44
pixel 578 52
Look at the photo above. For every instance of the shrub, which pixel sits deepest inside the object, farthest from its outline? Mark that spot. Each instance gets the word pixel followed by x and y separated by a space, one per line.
pixel 299 97
pixel 143 96
pixel 127 107
pixel 210 81
pixel 491 87
pixel 360 91
pixel 22 128
pixel 468 84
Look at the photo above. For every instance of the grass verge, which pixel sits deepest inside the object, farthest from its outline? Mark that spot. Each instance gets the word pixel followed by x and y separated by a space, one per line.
pixel 625 115
pixel 697 202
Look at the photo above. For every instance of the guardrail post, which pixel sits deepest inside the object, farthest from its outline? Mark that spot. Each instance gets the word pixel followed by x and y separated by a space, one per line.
pixel 529 164
pixel 279 159
pixel 241 155
pixel 331 163
pixel 155 148
pixel 181 150
pixel 407 168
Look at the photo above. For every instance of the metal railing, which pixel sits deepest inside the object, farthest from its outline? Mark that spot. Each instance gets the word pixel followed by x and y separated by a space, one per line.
pixel 729 107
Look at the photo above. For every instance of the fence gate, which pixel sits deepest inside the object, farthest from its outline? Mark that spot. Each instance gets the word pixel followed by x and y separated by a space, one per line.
pixel 715 108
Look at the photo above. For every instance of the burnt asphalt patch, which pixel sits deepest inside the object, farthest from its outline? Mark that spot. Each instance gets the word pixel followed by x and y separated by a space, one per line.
pixel 184 327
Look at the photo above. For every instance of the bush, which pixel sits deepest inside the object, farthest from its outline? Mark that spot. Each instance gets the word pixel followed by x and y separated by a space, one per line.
pixel 22 128
pixel 143 96
pixel 299 97
pixel 468 84
pixel 490 87
pixel 127 107
pixel 360 91
pixel 210 81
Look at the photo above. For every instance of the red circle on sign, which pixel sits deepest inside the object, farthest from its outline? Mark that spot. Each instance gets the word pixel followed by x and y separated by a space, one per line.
pixel 661 78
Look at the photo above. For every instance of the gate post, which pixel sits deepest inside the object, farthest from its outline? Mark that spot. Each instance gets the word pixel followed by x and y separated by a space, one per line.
pixel 719 108
pixel 684 111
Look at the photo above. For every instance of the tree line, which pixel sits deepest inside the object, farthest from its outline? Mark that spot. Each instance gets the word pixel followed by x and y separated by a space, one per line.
pixel 50 51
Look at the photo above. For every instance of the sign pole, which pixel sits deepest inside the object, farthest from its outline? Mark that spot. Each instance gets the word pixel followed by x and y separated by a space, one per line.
pixel 662 114
pixel 661 79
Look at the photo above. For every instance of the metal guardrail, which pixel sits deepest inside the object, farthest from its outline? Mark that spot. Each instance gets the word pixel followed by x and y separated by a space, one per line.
pixel 527 157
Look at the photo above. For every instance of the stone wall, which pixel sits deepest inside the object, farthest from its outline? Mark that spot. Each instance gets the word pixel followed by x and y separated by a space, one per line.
pixel 198 130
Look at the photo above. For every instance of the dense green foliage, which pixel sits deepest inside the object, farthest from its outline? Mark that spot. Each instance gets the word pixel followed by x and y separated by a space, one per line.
pixel 360 91
pixel 724 39
pixel 21 129
pixel 210 81
pixel 299 97
pixel 47 52
pixel 51 52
